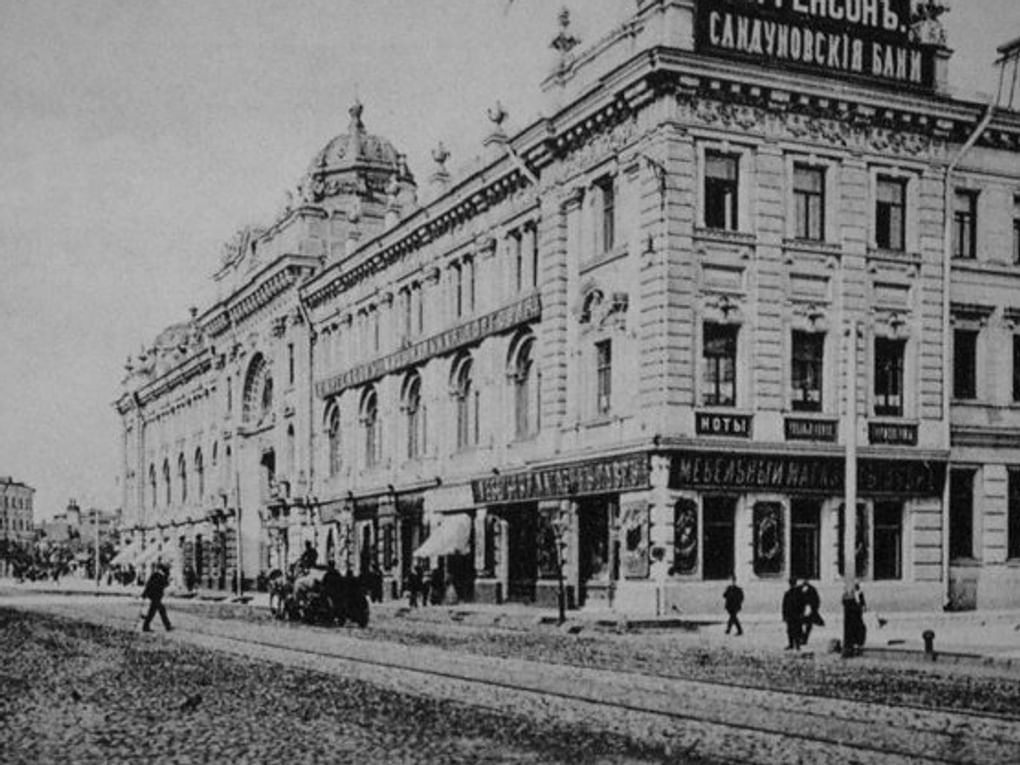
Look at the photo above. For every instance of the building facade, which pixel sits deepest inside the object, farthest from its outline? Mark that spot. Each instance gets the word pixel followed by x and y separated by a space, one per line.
pixel 16 500
pixel 620 348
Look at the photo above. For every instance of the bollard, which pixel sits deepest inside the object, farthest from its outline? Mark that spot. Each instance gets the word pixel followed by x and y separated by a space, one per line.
pixel 929 643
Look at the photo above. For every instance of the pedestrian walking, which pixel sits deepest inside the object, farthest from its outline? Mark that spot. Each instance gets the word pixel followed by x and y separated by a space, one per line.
pixel 153 592
pixel 793 615
pixel 733 597
pixel 415 579
pixel 811 603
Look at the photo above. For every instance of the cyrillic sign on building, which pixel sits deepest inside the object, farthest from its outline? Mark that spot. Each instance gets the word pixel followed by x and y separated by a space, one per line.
pixel 852 38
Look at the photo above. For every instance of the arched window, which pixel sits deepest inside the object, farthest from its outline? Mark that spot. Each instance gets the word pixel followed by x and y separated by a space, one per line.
pixel 522 377
pixel 166 480
pixel 333 438
pixel 200 473
pixel 258 390
pixel 414 414
pixel 370 422
pixel 152 485
pixel 466 401
pixel 182 476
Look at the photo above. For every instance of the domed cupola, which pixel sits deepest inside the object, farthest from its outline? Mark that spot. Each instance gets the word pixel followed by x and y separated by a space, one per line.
pixel 356 162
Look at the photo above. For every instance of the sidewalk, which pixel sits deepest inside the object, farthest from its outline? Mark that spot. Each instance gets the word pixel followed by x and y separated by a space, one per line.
pixel 971 637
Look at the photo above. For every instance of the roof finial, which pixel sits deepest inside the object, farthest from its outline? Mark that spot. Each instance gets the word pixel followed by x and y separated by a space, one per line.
pixel 564 42
pixel 355 111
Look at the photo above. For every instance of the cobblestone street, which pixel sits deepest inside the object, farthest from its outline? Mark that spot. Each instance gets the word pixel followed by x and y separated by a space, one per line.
pixel 73 692
pixel 414 688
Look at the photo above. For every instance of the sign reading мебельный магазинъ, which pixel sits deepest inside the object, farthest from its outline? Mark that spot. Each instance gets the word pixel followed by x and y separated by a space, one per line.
pixel 852 38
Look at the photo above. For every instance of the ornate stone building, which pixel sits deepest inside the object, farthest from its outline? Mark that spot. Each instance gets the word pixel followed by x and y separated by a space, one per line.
pixel 623 341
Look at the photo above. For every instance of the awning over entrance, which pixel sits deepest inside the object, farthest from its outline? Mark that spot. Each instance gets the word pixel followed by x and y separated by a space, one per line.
pixel 452 537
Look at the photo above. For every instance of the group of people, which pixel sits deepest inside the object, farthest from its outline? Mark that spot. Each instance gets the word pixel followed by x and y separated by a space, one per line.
pixel 425 586
pixel 801 605
pixel 801 612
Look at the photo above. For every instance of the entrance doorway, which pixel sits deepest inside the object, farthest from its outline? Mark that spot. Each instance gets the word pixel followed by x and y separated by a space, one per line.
pixel 595 517
pixel 805 539
pixel 719 513
pixel 522 548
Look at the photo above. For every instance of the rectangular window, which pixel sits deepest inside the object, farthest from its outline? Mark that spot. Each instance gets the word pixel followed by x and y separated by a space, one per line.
pixel 965 364
pixel 965 225
pixel 1016 368
pixel 230 395
pixel 469 267
pixel 604 375
pixel 517 241
pixel 888 523
pixel 805 539
pixel 405 297
pixel 458 290
pixel 607 192
pixel 1016 241
pixel 890 213
pixel 961 513
pixel 806 374
pixel 290 363
pixel 809 202
pixel 722 177
pixel 720 360
pixel 1013 510
pixel 719 539
pixel 533 241
pixel 889 377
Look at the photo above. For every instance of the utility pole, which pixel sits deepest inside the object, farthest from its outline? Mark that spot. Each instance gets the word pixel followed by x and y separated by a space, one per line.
pixel 849 540
pixel 95 516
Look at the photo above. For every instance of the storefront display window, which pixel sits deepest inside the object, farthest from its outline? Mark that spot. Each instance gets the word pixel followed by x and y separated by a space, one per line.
pixel 768 539
pixel 685 537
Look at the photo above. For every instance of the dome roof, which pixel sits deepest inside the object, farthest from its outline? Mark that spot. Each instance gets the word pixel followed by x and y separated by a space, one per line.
pixel 356 148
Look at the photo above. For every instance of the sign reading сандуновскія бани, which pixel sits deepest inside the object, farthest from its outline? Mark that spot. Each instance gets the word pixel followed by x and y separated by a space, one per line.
pixel 851 38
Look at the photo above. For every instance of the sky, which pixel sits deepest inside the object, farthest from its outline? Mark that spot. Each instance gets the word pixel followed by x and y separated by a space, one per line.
pixel 137 137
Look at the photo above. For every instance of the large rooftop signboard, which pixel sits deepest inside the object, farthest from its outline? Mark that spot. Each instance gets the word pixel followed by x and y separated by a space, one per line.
pixel 856 39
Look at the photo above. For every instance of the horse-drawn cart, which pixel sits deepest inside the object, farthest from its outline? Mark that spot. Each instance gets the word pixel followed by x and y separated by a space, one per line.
pixel 318 595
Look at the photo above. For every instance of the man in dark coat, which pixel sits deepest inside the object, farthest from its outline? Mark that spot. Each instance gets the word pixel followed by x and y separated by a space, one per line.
pixel 793 614
pixel 309 556
pixel 153 592
pixel 734 599
pixel 333 589
pixel 810 603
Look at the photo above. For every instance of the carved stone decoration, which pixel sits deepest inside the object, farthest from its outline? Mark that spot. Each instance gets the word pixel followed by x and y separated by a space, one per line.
pixel 827 126
pixel 564 42
pixel 925 27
